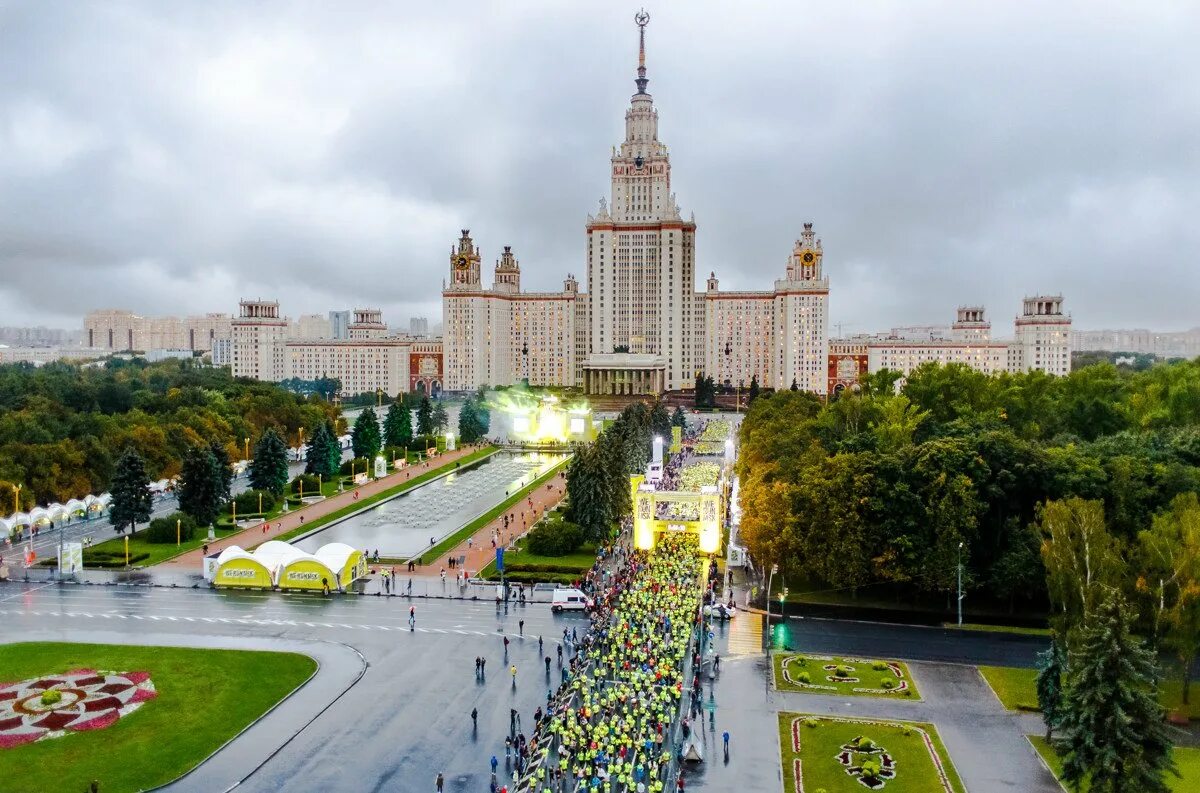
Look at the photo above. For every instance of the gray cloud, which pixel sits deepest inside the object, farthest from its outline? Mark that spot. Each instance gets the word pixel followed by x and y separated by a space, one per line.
pixel 171 157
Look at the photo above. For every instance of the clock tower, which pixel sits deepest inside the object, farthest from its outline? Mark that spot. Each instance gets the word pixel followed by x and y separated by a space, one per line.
pixel 464 264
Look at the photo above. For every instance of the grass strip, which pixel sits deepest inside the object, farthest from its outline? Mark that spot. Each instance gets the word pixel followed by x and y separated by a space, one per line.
pixel 452 541
pixel 1186 760
pixel 861 678
pixel 338 514
pixel 205 697
pixel 975 626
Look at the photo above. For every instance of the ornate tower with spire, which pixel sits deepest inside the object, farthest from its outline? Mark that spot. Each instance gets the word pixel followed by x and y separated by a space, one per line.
pixel 640 253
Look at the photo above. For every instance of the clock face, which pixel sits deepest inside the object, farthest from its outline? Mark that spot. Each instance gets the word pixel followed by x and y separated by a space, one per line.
pixel 638 162
pixel 461 262
pixel 808 257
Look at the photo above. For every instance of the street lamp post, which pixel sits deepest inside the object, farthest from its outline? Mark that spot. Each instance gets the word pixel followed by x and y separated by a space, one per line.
pixel 247 457
pixel 177 531
pixel 960 592
pixel 770 579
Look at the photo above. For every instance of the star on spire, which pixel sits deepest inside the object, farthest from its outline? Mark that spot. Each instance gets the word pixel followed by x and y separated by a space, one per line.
pixel 642 18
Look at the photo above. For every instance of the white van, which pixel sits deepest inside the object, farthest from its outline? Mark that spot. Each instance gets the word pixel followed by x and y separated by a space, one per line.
pixel 569 600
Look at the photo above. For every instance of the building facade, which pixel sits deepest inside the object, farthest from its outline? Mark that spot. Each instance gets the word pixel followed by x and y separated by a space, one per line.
pixel 117 330
pixel 641 327
pixel 1168 344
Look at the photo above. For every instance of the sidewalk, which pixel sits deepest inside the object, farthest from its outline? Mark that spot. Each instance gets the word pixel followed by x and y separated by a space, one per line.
pixel 255 535
pixel 478 550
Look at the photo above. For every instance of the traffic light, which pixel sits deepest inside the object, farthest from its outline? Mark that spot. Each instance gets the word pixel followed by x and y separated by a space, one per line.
pixel 779 636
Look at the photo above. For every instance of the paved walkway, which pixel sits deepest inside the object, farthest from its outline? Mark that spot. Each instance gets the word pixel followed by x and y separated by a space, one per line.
pixel 255 535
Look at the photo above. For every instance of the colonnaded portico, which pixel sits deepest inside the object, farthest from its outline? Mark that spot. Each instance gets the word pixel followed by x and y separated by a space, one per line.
pixel 624 374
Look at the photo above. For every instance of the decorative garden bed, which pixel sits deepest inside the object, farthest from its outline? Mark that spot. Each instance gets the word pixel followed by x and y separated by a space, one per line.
pixel 827 674
pixel 849 755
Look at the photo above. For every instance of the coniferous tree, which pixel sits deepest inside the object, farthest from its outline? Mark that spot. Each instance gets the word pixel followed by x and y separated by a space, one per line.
pixel 1111 731
pixel 753 387
pixel 314 451
pixel 222 470
pixel 365 439
pixel 333 451
pixel 397 426
pixel 482 412
pixel 425 417
pixel 660 422
pixel 440 419
pixel 130 491
pixel 469 429
pixel 1051 665
pixel 698 391
pixel 200 486
pixel 795 385
pixel 588 492
pixel 269 468
pixel 679 418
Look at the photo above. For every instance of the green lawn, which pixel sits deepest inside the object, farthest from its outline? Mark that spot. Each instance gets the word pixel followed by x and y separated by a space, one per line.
pixel 158 551
pixel 861 678
pixel 1017 689
pixel 460 536
pixel 474 456
pixel 1186 760
pixel 821 745
pixel 205 697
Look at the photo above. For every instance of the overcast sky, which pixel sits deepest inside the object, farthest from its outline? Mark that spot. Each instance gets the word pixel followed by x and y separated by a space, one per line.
pixel 169 157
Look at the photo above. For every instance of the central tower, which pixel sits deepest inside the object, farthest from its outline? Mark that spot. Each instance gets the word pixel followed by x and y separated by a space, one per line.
pixel 641 253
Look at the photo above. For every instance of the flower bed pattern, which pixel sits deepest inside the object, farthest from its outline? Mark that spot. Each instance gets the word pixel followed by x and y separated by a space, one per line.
pixel 847 757
pixel 88 700
pixel 845 683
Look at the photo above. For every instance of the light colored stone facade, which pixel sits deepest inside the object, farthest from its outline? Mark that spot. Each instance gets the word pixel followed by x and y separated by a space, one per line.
pixel 117 330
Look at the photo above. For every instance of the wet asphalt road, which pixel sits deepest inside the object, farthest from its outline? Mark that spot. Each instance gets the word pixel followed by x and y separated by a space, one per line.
pixel 407 719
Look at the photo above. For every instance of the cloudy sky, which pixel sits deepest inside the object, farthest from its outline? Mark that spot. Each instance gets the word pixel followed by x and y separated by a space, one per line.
pixel 169 157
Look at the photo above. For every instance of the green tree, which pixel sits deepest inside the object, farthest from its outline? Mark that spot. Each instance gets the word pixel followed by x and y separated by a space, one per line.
pixel 222 471
pixel 269 468
pixel 1052 664
pixel 440 419
pixel 365 438
pixel 795 385
pixel 679 418
pixel 1169 554
pixel 470 428
pixel 200 486
pixel 482 411
pixel 131 500
pixel 323 455
pixel 588 491
pixel 660 422
pixel 753 387
pixel 397 426
pixel 1083 561
pixel 425 417
pixel 1112 734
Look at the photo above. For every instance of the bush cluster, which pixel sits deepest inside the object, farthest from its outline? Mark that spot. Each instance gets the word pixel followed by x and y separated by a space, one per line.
pixel 108 559
pixel 887 682
pixel 51 696
pixel 843 671
pixel 357 464
pixel 162 530
pixel 247 502
pixel 879 666
pixel 311 484
pixel 554 537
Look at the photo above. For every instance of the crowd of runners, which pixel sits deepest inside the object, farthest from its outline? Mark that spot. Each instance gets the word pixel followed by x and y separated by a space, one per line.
pixel 608 727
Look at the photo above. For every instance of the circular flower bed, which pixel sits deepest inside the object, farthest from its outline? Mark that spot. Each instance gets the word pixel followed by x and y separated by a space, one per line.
pixel 83 699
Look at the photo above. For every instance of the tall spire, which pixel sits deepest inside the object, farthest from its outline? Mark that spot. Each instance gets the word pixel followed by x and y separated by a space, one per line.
pixel 642 18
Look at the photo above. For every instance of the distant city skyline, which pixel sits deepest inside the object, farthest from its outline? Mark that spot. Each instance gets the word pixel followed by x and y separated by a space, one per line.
pixel 951 155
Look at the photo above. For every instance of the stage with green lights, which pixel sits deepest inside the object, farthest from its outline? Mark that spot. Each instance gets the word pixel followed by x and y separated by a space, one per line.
pixel 536 419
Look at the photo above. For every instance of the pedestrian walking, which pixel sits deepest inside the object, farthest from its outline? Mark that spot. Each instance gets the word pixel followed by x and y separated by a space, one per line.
pixel 412 618
pixel 547 666
pixel 482 667
pixel 475 724
pixel 521 627
pixel 439 782
pixel 513 670
pixel 505 646
pixel 539 644
pixel 725 739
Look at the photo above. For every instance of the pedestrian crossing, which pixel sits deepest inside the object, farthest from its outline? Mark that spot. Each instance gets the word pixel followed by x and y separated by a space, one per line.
pixel 745 634
pixel 246 621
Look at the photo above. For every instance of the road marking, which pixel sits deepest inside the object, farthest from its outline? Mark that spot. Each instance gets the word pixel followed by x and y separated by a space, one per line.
pixel 26 592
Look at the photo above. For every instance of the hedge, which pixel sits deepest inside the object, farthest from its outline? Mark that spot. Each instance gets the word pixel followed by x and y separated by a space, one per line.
pixel 163 530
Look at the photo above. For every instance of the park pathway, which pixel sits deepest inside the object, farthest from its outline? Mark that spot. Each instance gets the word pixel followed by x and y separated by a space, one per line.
pixel 255 535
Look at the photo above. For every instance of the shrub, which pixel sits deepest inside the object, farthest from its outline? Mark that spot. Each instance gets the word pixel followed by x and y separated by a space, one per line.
pixel 908 732
pixel 311 484
pixel 812 724
pixel 571 569
pixel 162 530
pixel 843 671
pixel 887 682
pixel 907 692
pixel 247 502
pixel 51 696
pixel 554 537
pixel 879 666
pixel 422 442
pixel 870 769
pixel 864 744
pixel 357 464
pixel 804 677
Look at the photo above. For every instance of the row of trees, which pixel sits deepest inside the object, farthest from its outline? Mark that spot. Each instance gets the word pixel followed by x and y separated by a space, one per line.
pixel 598 476
pixel 62 426
pixel 882 487
pixel 1099 683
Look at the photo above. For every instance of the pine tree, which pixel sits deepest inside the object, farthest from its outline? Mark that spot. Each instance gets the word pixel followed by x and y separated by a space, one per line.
pixel 333 451
pixel 679 418
pixel 698 392
pixel 200 486
pixel 1051 665
pixel 365 438
pixel 314 451
pixel 469 430
pixel 660 422
pixel 425 417
pixel 269 468
pixel 482 412
pixel 397 426
pixel 440 419
pixel 795 385
pixel 1111 728
pixel 130 491
pixel 222 470
pixel 588 492
pixel 753 387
